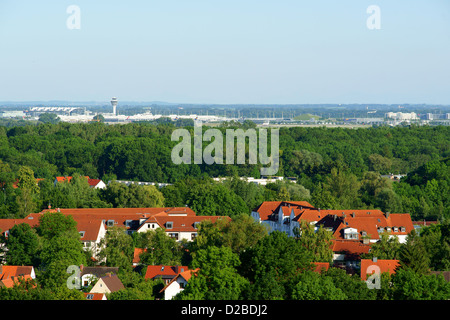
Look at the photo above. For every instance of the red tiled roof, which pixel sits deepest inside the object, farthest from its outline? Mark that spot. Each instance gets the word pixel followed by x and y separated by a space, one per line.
pixel 352 247
pixel 321 266
pixel 93 296
pixel 12 274
pixel 164 271
pixel 67 178
pixel 90 228
pixel 384 265
pixel 91 182
pixel 268 208
pixel 186 275
pixel 137 253
pixel 183 223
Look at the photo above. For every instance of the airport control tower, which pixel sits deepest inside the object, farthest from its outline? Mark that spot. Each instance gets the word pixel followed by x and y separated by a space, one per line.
pixel 114 105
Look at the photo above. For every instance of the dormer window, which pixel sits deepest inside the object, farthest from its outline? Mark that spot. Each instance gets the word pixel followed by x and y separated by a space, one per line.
pixel 395 229
pixel 351 233
pixel 82 233
pixel 169 225
pixel 402 229
pixel 196 224
pixel 110 223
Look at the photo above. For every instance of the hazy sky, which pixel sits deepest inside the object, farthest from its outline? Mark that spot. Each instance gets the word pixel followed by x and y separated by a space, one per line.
pixel 226 51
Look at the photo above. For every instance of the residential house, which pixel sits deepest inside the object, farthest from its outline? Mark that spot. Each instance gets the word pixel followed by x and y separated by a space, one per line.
pixel 91 233
pixel 107 284
pixel 179 222
pixel 369 267
pixel 93 183
pixel 166 273
pixel 363 225
pixel 353 231
pixel 5 226
pixel 93 223
pixel 179 227
pixel 10 275
pixel 177 284
pixel 347 254
pixel 137 256
pixel 91 275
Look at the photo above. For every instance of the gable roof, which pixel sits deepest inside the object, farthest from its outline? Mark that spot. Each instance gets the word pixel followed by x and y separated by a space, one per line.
pixel 268 208
pixel 320 266
pixel 89 229
pixel 136 255
pixel 161 271
pixel 10 275
pixel 113 282
pixel 98 271
pixel 384 265
pixel 186 275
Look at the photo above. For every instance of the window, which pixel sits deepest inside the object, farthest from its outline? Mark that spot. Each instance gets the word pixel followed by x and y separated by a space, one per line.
pixel 395 229
pixel 110 223
pixel 193 235
pixel 169 225
pixel 351 235
pixel 128 223
pixel 402 229
pixel 82 233
pixel 174 235
pixel 196 224
pixel 90 296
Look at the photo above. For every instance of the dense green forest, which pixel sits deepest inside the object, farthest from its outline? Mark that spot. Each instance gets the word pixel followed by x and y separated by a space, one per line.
pixel 335 168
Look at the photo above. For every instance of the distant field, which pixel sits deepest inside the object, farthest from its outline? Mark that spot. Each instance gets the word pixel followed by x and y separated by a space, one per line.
pixel 306 116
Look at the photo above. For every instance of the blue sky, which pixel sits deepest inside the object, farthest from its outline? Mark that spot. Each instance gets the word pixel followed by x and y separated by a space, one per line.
pixel 226 51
